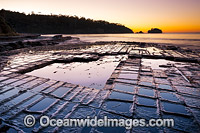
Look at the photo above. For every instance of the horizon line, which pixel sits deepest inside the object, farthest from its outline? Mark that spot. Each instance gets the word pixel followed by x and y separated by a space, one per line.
pixel 134 32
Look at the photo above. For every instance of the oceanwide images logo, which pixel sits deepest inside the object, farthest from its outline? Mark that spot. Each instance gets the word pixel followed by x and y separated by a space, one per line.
pixel 44 121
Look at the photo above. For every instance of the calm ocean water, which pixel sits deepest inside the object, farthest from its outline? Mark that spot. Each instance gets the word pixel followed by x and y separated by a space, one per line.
pixel 183 40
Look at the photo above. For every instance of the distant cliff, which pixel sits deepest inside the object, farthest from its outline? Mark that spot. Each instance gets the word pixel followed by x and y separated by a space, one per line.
pixel 155 30
pixel 60 24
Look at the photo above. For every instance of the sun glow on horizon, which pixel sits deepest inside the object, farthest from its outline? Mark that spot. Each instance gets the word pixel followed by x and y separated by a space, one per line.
pixel 138 15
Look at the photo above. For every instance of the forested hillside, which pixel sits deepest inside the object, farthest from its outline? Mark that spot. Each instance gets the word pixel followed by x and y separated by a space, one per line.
pixel 59 24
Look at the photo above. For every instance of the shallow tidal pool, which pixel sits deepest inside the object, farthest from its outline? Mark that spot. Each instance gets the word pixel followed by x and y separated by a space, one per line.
pixel 92 74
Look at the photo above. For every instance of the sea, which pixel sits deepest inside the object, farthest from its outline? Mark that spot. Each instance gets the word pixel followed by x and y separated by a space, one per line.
pixel 180 39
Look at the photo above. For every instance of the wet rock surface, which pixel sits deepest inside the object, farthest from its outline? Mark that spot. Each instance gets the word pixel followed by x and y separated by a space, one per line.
pixel 153 81
pixel 26 41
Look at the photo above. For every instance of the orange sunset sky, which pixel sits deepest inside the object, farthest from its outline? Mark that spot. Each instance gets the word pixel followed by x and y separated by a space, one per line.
pixel 169 15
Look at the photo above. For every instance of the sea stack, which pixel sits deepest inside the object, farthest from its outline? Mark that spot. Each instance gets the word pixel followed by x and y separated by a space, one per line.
pixel 155 30
pixel 140 32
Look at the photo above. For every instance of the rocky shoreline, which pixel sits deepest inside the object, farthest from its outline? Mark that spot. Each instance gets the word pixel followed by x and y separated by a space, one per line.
pixel 26 41
pixel 150 81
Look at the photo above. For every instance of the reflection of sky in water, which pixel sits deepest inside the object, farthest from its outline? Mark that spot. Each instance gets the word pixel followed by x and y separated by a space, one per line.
pixel 92 74
pixel 187 39
pixel 155 63
pixel 179 39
